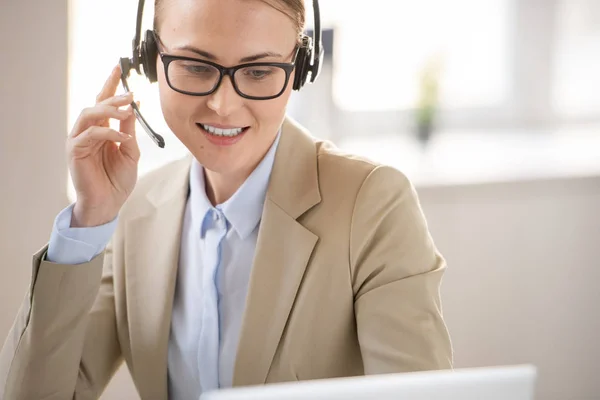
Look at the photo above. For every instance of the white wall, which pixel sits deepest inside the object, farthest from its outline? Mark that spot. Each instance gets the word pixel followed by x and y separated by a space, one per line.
pixel 523 257
pixel 33 79
pixel 522 282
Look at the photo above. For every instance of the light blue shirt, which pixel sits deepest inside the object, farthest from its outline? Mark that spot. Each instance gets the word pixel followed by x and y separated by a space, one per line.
pixel 217 251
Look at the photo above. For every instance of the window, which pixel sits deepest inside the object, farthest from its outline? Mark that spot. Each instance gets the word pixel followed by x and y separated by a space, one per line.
pixel 382 48
pixel 576 80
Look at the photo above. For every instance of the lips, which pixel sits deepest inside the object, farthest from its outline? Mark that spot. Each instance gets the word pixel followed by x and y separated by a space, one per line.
pixel 222 137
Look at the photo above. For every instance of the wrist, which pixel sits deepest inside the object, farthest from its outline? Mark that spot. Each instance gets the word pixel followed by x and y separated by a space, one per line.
pixel 86 217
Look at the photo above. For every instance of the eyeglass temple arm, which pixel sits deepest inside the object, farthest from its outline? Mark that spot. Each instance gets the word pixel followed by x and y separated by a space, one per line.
pixel 156 138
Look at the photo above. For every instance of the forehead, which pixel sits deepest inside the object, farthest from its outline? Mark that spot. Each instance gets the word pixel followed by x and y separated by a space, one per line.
pixel 230 29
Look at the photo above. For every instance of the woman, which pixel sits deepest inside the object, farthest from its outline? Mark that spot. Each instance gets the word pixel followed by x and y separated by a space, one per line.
pixel 265 256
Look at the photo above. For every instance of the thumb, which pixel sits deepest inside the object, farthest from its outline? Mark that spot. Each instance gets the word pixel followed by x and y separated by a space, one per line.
pixel 130 147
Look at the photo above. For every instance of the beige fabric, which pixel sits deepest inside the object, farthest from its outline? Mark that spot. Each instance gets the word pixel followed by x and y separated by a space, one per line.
pixel 345 281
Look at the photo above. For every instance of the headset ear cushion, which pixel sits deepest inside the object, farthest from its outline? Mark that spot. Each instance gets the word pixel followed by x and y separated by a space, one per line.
pixel 302 68
pixel 149 53
pixel 315 69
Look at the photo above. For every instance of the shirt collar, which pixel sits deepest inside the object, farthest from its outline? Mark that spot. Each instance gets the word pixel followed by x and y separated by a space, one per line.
pixel 244 209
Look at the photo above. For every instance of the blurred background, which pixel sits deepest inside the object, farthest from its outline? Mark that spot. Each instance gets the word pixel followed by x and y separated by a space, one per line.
pixel 491 107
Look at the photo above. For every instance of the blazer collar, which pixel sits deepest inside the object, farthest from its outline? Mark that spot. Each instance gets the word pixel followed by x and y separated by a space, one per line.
pixel 294 184
pixel 283 250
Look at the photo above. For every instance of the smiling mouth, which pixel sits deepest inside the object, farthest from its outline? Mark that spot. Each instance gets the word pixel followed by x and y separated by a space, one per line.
pixel 219 132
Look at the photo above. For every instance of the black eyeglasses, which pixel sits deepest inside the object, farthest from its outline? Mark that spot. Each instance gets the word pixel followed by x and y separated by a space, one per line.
pixel 255 81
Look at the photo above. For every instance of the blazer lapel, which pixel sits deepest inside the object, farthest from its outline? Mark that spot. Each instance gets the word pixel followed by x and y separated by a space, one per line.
pixel 283 250
pixel 151 259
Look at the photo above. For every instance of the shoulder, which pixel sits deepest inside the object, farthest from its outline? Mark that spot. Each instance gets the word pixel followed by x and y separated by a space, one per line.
pixel 349 169
pixel 358 193
pixel 384 215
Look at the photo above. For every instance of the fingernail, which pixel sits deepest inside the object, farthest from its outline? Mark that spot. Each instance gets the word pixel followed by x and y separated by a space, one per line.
pixel 125 135
pixel 128 94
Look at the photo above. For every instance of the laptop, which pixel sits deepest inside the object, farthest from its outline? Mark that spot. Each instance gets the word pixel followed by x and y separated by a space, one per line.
pixel 490 383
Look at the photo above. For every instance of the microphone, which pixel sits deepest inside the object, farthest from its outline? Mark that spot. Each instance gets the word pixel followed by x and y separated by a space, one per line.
pixel 126 64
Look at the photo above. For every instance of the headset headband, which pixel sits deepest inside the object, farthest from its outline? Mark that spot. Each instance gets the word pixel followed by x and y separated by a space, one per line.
pixel 138 37
pixel 318 43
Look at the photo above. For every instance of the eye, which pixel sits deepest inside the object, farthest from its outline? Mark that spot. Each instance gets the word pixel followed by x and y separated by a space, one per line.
pixel 198 69
pixel 258 73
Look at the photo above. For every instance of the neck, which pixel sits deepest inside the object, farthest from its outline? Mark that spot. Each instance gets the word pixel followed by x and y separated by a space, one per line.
pixel 221 187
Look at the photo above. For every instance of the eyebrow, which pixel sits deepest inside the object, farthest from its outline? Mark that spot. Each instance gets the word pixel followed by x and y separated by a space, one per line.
pixel 212 57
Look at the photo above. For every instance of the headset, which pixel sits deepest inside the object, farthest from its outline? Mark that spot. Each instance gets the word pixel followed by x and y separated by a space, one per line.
pixel 308 63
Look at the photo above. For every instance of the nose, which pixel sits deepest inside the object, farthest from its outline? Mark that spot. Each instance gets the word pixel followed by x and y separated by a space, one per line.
pixel 225 100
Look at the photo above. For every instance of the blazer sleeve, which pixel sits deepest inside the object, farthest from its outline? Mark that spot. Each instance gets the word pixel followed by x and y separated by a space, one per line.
pixel 63 343
pixel 396 277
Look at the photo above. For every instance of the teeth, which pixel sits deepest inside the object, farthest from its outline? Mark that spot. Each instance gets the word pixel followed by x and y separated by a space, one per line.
pixel 222 132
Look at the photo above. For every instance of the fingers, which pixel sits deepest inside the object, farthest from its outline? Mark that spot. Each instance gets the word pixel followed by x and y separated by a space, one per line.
pixel 109 108
pixel 118 101
pixel 110 86
pixel 97 135
pixel 92 128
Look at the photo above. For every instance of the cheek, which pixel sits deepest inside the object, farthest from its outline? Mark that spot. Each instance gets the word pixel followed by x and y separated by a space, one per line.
pixel 280 107
pixel 176 107
pixel 168 103
pixel 168 97
pixel 174 115
pixel 274 110
pixel 267 114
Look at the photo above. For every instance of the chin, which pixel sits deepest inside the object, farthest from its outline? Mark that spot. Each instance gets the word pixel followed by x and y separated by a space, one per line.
pixel 213 158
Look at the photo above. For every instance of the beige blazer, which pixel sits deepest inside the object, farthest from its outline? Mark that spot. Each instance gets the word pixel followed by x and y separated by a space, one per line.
pixel 345 281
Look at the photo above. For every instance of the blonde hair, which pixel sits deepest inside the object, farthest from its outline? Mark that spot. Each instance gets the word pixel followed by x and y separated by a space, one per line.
pixel 294 9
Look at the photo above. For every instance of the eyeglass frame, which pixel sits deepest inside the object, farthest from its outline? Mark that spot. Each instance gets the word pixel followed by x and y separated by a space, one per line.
pixel 167 59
